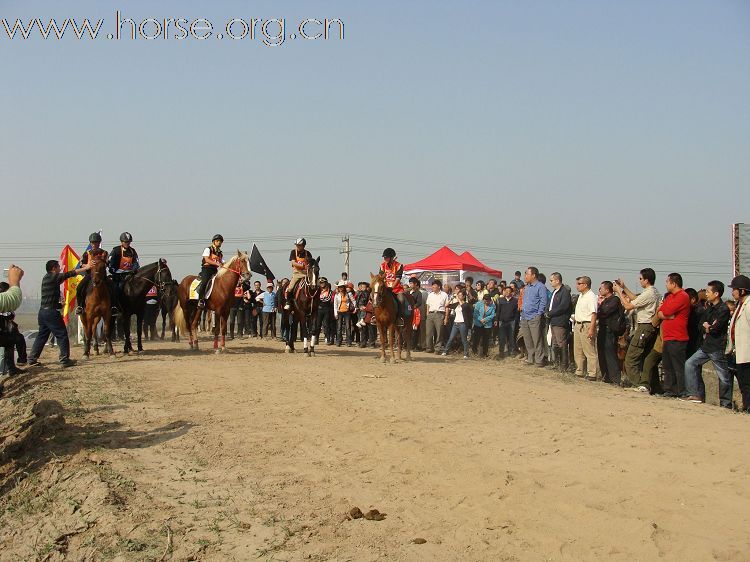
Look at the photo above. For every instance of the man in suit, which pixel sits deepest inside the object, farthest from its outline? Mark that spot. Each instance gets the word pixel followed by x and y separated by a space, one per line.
pixel 558 315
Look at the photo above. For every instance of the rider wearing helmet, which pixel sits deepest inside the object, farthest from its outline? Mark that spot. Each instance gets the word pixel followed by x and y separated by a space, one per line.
pixel 95 253
pixel 123 261
pixel 211 261
pixel 393 271
pixel 300 259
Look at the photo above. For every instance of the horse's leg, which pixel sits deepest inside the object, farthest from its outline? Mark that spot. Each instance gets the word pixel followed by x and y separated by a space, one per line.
pixel 222 327
pixel 94 323
pixel 139 329
pixel 383 341
pixel 125 322
pixel 304 334
pixel 107 335
pixel 409 336
pixel 310 329
pixel 391 341
pixel 86 338
pixel 163 323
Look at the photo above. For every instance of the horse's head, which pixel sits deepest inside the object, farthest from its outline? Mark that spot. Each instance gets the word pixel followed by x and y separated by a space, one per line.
pixel 313 273
pixel 243 266
pixel 377 289
pixel 98 272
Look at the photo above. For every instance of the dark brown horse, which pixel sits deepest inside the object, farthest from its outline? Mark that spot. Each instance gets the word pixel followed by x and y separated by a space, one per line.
pixel 187 314
pixel 305 310
pixel 133 298
pixel 167 304
pixel 97 309
pixel 384 304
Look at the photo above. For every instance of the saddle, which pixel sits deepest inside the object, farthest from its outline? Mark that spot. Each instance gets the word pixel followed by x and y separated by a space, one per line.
pixel 193 296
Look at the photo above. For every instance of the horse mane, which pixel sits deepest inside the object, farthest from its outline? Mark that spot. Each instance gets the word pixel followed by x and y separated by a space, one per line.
pixel 228 265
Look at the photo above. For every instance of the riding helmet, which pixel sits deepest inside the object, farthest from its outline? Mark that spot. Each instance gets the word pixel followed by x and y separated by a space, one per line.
pixel 300 242
pixel 126 237
pixel 740 282
pixel 217 237
pixel 95 237
pixel 389 253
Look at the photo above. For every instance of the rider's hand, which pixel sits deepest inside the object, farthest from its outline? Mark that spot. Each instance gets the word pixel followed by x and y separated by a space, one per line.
pixel 15 274
pixel 86 266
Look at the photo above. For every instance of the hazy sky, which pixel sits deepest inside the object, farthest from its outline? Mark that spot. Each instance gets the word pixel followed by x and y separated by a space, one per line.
pixel 543 132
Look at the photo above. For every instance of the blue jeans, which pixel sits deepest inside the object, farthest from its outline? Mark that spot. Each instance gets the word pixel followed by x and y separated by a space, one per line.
pixel 694 377
pixel 50 323
pixel 462 329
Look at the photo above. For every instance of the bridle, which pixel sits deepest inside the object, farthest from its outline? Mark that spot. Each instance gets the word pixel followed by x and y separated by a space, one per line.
pixel 376 296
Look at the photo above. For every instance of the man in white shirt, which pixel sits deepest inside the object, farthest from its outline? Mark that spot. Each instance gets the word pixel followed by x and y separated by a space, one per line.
pixel 584 331
pixel 436 303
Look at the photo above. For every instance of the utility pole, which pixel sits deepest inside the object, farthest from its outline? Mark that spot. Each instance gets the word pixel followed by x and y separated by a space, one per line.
pixel 346 251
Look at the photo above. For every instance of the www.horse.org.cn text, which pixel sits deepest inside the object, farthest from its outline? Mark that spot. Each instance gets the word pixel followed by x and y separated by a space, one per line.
pixel 272 32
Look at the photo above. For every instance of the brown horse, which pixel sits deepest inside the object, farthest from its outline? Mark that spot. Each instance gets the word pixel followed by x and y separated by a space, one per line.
pixel 384 304
pixel 305 310
pixel 220 301
pixel 97 309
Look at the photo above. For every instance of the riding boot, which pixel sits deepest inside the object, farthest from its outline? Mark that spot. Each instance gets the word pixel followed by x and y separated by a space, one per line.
pixel 289 302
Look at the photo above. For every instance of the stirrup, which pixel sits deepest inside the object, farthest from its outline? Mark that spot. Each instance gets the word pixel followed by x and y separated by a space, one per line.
pixel 400 322
pixel 79 310
pixel 202 303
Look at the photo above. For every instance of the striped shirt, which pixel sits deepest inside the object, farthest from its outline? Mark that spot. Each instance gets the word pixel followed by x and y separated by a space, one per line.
pixel 51 288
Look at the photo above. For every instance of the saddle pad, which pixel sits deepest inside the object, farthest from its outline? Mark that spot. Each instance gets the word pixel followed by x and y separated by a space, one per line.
pixel 194 285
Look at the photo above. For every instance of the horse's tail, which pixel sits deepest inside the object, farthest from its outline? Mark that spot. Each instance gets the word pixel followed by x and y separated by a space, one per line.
pixel 179 319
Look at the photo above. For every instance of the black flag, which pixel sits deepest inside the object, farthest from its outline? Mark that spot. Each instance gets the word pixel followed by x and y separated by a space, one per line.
pixel 258 264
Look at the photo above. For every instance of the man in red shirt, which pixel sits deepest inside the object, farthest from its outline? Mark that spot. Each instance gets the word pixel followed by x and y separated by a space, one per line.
pixel 674 313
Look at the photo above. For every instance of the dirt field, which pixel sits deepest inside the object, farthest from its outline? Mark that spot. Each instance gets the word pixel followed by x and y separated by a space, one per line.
pixel 261 455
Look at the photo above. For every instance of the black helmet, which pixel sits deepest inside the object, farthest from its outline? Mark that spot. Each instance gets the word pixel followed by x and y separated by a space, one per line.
pixel 740 282
pixel 300 242
pixel 217 237
pixel 389 253
pixel 95 237
pixel 126 237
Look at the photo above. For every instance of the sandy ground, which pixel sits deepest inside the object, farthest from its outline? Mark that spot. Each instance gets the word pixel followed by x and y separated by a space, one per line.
pixel 260 455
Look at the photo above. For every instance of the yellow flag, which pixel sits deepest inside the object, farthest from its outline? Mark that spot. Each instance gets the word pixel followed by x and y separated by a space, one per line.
pixel 68 262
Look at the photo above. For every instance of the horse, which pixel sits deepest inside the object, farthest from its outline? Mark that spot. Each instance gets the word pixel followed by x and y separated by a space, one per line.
pixel 98 309
pixel 220 301
pixel 305 310
pixel 133 298
pixel 386 310
pixel 167 304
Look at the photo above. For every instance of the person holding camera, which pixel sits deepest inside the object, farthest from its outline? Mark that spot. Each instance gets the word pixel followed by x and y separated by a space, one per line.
pixel 11 299
pixel 50 319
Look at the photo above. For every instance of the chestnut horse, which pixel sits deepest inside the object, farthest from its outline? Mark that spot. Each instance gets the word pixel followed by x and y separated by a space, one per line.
pixel 167 304
pixel 97 309
pixel 187 312
pixel 384 304
pixel 305 311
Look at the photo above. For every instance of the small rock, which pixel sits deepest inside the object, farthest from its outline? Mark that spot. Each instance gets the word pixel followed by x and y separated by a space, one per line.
pixel 374 515
pixel 419 540
pixel 355 513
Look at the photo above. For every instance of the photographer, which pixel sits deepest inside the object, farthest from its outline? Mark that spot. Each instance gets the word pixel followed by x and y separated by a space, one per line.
pixel 50 319
pixel 11 299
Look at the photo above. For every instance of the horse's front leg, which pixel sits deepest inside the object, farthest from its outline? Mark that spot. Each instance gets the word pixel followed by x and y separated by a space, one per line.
pixel 220 327
pixel 95 336
pixel 391 341
pixel 125 327
pixel 383 333
pixel 106 332
pixel 139 330
pixel 86 340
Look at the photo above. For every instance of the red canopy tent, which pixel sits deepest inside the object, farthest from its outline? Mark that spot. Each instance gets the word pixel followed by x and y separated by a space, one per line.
pixel 447 265
pixel 469 258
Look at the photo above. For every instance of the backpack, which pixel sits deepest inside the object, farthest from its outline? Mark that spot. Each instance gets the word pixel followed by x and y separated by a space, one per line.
pixel 620 322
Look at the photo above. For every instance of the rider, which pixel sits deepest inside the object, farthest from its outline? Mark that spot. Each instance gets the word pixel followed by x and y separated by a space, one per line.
pixel 123 261
pixel 211 261
pixel 392 271
pixel 95 253
pixel 300 259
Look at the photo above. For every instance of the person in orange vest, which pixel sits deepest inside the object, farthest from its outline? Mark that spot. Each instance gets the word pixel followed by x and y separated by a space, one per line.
pixel 211 260
pixel 300 259
pixel 393 271
pixel 123 261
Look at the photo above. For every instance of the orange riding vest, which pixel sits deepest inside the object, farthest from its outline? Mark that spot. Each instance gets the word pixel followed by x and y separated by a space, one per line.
pixel 391 276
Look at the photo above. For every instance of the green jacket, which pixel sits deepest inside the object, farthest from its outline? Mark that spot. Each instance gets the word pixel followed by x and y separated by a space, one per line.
pixel 10 300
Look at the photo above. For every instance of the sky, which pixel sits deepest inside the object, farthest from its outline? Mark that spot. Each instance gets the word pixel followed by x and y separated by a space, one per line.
pixel 588 137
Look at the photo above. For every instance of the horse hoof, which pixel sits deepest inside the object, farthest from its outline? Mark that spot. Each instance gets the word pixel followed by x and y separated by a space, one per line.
pixel 383 360
pixel 217 351
pixel 287 349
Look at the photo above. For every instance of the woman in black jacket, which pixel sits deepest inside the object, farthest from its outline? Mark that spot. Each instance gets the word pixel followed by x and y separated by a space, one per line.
pixel 608 317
